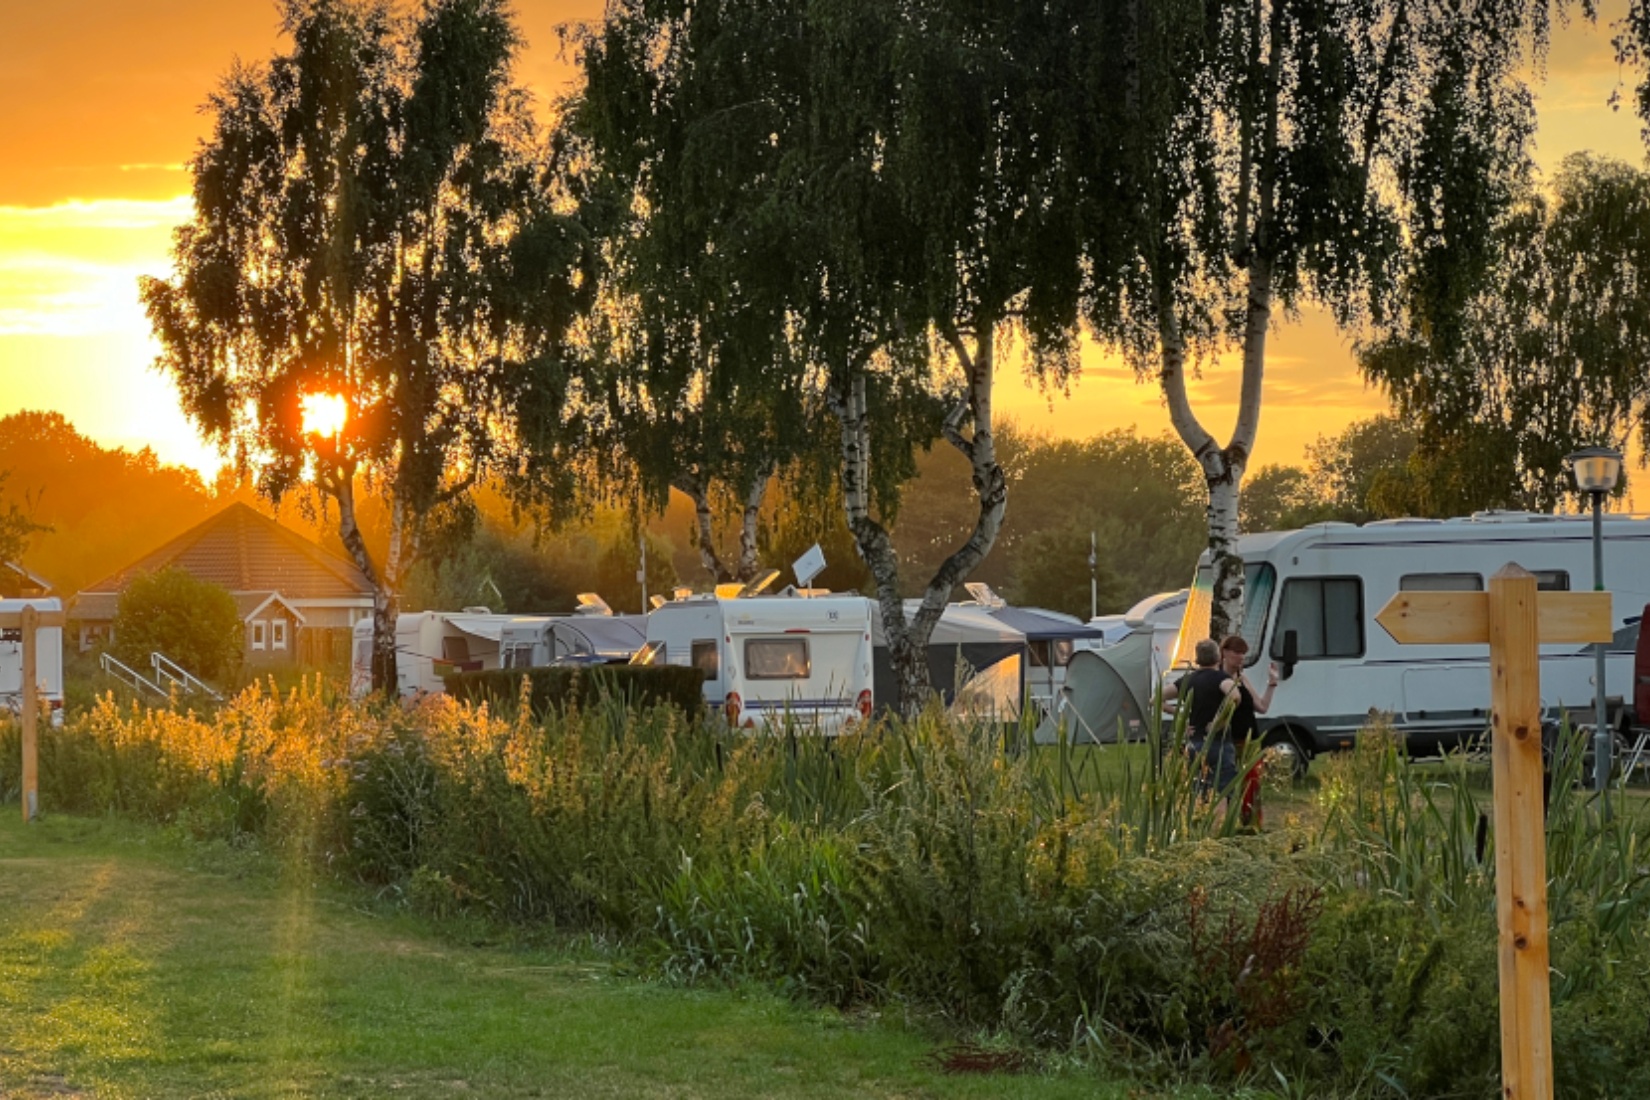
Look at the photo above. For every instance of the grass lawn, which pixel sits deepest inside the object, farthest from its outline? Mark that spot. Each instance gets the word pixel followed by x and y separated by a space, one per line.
pixel 132 965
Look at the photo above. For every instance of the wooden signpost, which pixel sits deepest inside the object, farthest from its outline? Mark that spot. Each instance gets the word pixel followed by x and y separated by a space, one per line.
pixel 1514 619
pixel 29 622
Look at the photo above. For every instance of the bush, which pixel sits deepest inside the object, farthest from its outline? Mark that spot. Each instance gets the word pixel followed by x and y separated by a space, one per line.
pixel 922 863
pixel 194 622
pixel 580 685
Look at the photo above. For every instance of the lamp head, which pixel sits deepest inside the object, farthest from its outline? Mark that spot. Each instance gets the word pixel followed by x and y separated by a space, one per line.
pixel 1596 469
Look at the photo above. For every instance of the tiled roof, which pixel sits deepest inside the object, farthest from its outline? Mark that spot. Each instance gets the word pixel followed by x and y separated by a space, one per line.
pixel 248 552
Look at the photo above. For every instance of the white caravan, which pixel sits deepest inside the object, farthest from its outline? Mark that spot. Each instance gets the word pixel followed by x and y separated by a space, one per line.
pixel 768 656
pixel 48 656
pixel 1325 584
pixel 429 644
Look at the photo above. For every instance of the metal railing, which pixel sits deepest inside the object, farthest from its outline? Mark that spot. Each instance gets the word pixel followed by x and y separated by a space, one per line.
pixel 170 674
pixel 129 676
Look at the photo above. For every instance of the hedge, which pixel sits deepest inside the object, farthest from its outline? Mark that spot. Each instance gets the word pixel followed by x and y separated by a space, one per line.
pixel 645 685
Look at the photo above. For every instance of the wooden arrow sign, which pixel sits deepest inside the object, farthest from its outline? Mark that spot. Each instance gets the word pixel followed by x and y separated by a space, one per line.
pixel 1514 619
pixel 1463 618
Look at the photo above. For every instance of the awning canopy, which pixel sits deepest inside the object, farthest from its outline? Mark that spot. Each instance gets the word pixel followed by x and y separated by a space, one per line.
pixel 486 627
pixel 1040 625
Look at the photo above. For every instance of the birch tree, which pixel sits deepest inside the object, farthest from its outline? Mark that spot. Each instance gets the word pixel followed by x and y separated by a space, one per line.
pixel 371 240
pixel 1547 354
pixel 1291 154
pixel 894 173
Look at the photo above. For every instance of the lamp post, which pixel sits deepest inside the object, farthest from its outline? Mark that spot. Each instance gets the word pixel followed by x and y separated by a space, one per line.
pixel 1596 471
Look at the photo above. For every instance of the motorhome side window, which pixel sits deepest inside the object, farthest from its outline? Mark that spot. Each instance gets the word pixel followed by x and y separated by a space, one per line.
pixel 1552 580
pixel 1050 653
pixel 1326 614
pixel 1441 582
pixel 707 659
pixel 777 659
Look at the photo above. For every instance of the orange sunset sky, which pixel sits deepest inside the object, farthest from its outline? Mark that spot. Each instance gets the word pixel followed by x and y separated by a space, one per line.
pixel 99 109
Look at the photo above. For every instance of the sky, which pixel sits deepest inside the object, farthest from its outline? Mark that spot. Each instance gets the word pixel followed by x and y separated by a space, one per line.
pixel 100 110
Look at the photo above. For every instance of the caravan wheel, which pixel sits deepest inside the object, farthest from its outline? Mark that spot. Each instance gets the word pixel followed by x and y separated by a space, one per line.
pixel 1286 747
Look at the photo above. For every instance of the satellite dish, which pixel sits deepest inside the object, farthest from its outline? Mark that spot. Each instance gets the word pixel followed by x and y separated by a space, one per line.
pixel 592 604
pixel 809 566
pixel 656 602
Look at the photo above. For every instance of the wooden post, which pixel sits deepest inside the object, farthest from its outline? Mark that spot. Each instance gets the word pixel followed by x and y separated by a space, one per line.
pixel 1514 618
pixel 1520 835
pixel 31 708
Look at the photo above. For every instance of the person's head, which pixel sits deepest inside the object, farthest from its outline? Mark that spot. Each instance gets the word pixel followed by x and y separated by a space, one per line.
pixel 1207 654
pixel 1233 649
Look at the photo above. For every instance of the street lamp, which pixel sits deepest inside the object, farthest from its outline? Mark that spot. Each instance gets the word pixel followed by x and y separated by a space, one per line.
pixel 1596 471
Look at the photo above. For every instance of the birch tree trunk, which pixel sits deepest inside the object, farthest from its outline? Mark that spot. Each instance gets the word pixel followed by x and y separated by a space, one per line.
pixel 755 492
pixel 383 594
pixel 908 638
pixel 692 484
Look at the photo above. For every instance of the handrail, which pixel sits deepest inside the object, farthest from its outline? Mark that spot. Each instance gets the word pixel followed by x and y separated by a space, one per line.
pixel 113 666
pixel 168 671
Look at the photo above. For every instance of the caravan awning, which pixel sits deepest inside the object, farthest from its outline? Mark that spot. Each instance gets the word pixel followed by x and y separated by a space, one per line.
pixel 1040 625
pixel 960 624
pixel 487 627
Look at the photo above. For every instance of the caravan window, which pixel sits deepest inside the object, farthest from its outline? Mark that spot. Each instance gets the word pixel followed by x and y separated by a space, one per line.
pixel 519 655
pixel 777 659
pixel 707 658
pixel 1552 580
pixel 1050 653
pixel 1441 582
pixel 1259 581
pixel 1326 614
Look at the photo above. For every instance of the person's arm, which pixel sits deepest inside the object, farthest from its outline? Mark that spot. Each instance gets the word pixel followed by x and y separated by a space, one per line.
pixel 1264 699
pixel 1171 691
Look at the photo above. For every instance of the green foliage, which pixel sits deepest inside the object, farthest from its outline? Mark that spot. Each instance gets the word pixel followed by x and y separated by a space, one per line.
pixel 194 622
pixel 1371 470
pixel 1541 355
pixel 557 688
pixel 1026 889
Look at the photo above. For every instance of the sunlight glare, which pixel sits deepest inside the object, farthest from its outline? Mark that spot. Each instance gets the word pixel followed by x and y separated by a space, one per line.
pixel 324 414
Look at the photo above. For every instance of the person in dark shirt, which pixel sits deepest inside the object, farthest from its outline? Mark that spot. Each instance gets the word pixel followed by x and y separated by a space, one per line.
pixel 1245 722
pixel 1209 694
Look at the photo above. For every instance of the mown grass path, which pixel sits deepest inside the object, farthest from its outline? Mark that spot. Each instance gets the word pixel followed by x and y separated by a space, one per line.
pixel 134 966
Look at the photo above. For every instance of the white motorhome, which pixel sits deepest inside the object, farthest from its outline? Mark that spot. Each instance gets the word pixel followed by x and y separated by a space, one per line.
pixel 48 658
pixel 768 656
pixel 429 644
pixel 1325 584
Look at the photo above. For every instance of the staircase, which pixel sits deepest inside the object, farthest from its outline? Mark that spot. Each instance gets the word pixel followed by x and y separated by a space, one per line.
pixel 168 677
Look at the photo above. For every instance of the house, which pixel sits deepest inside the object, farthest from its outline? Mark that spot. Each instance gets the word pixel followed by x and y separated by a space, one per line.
pixel 17 582
pixel 297 600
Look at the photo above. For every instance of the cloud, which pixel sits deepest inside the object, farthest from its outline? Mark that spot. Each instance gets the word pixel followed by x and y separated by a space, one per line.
pixel 72 268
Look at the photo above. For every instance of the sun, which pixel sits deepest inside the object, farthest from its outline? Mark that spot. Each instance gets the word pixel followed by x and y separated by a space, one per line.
pixel 324 413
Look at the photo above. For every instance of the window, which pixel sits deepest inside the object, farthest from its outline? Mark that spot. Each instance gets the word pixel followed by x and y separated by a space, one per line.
pixel 1552 580
pixel 1060 652
pixel 1259 580
pixel 1038 653
pixel 1049 653
pixel 1326 614
pixel 277 634
pixel 258 634
pixel 1441 582
pixel 707 658
pixel 777 659
pixel 518 655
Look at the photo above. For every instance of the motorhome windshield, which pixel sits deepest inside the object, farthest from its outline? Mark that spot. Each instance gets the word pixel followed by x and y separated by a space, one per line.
pixel 1260 580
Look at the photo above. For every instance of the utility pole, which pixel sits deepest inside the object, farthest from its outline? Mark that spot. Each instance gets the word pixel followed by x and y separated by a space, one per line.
pixel 641 574
pixel 1094 575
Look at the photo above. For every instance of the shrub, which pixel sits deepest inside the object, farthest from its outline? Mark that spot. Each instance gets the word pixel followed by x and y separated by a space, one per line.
pixel 921 862
pixel 560 687
pixel 194 622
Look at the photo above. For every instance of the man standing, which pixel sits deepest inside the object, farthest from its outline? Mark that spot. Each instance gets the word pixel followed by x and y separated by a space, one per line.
pixel 1209 695
pixel 1244 726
